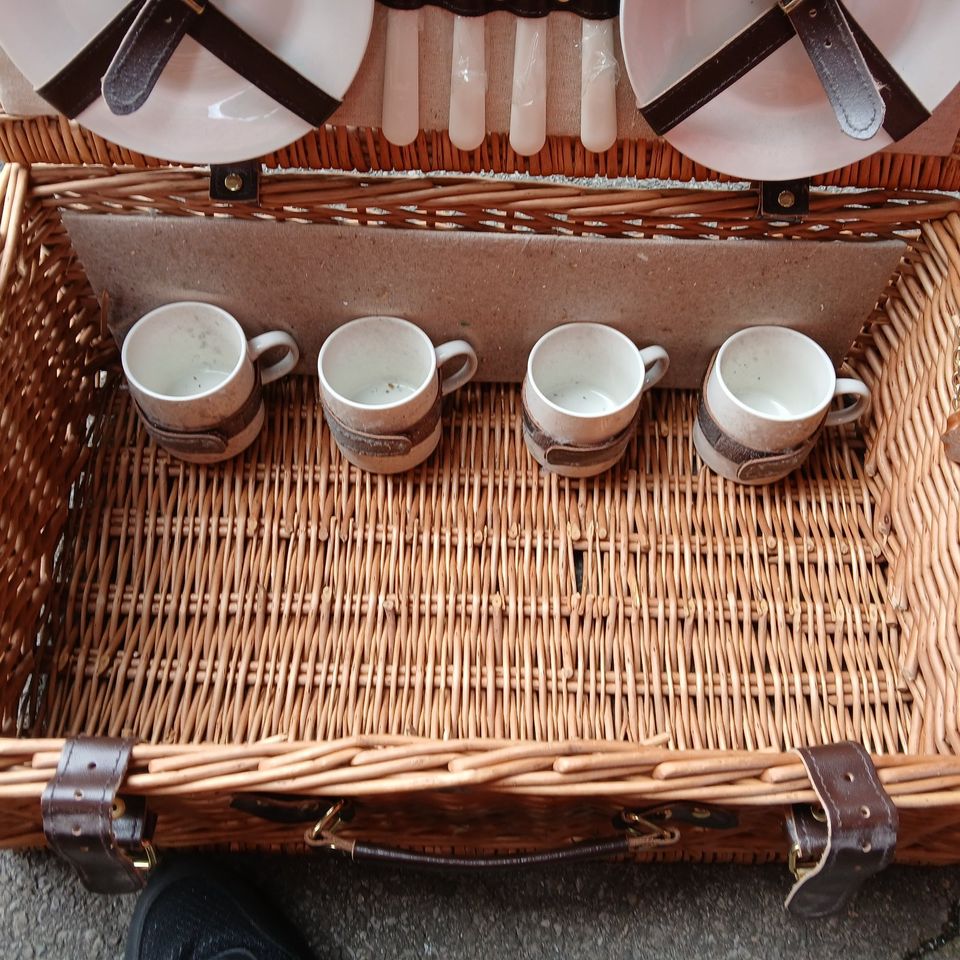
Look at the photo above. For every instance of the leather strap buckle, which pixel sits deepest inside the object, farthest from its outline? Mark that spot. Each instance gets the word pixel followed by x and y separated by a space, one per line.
pixel 105 838
pixel 851 835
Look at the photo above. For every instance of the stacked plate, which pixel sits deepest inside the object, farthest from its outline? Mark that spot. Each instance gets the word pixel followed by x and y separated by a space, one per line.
pixel 200 111
pixel 775 122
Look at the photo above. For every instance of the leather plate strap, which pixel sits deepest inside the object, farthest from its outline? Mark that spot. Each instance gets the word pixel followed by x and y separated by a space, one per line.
pixel 78 814
pixel 577 455
pixel 825 34
pixel 207 440
pixel 143 53
pixel 131 51
pixel 770 31
pixel 384 445
pixel 854 837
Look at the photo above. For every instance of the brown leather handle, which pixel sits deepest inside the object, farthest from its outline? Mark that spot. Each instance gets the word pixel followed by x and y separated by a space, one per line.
pixel 580 852
pixel 639 833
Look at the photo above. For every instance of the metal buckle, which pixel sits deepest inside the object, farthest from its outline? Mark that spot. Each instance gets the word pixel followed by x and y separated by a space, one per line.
pixel 320 833
pixel 788 6
pixel 194 5
pixel 639 826
pixel 144 859
pixel 797 867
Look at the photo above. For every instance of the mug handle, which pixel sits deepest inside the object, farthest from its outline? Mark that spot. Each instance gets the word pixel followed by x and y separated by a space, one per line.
pixel 267 341
pixel 656 362
pixel 850 411
pixel 446 352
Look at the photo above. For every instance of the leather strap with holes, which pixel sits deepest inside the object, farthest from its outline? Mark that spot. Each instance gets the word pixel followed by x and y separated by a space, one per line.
pixel 851 835
pixel 79 819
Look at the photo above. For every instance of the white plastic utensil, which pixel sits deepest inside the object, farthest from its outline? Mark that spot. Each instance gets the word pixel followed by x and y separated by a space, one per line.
pixel 528 114
pixel 468 84
pixel 598 86
pixel 400 121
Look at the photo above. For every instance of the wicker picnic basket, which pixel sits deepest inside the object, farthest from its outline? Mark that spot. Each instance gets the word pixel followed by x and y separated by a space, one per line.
pixel 474 659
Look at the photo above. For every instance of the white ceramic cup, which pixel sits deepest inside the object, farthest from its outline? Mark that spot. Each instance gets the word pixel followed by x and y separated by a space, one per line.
pixel 190 369
pixel 770 389
pixel 583 387
pixel 379 377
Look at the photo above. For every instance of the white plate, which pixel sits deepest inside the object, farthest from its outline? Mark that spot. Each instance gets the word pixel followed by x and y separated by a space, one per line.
pixel 775 122
pixel 200 111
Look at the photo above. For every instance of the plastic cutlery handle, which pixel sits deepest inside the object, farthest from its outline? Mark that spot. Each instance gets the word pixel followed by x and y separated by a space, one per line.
pixel 528 116
pixel 401 78
pixel 598 86
pixel 468 84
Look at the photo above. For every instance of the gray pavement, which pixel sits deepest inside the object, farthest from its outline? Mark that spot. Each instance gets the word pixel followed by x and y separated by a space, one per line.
pixel 597 912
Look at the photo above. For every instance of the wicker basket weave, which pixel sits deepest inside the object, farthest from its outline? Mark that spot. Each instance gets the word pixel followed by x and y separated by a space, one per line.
pixel 481 657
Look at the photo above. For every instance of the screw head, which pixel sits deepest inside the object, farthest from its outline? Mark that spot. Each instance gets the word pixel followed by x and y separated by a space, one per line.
pixel 786 199
pixel 233 182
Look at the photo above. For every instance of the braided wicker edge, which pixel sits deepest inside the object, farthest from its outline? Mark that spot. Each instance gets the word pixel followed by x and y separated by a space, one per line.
pixel 364 149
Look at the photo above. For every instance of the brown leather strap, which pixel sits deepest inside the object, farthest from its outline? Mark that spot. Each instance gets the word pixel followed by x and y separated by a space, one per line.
pixel 577 455
pixel 720 70
pixel 843 72
pixel 254 62
pixel 78 84
pixel 384 445
pixel 753 465
pixel 904 111
pixel 213 439
pixel 579 852
pixel 79 818
pixel 144 52
pixel 853 837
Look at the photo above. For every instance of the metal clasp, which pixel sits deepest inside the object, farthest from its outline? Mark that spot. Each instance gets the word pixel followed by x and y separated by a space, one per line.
pixel 320 833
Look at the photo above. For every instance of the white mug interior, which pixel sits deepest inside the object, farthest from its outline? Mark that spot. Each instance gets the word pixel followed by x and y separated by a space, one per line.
pixel 586 370
pixel 183 351
pixel 776 373
pixel 377 362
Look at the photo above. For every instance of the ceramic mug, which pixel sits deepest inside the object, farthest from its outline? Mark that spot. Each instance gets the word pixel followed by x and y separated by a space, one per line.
pixel 381 390
pixel 581 396
pixel 766 397
pixel 194 377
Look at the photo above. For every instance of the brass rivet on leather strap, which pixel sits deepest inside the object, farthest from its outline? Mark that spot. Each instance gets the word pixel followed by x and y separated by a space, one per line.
pixel 699 813
pixel 818 813
pixel 118 809
pixel 786 199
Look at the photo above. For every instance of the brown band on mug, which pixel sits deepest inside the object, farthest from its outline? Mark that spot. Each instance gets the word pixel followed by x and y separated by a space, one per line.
pixel 384 445
pixel 212 440
pixel 752 464
pixel 558 454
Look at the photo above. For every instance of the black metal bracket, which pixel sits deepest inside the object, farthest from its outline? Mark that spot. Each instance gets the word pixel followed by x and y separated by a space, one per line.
pixel 235 182
pixel 784 199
